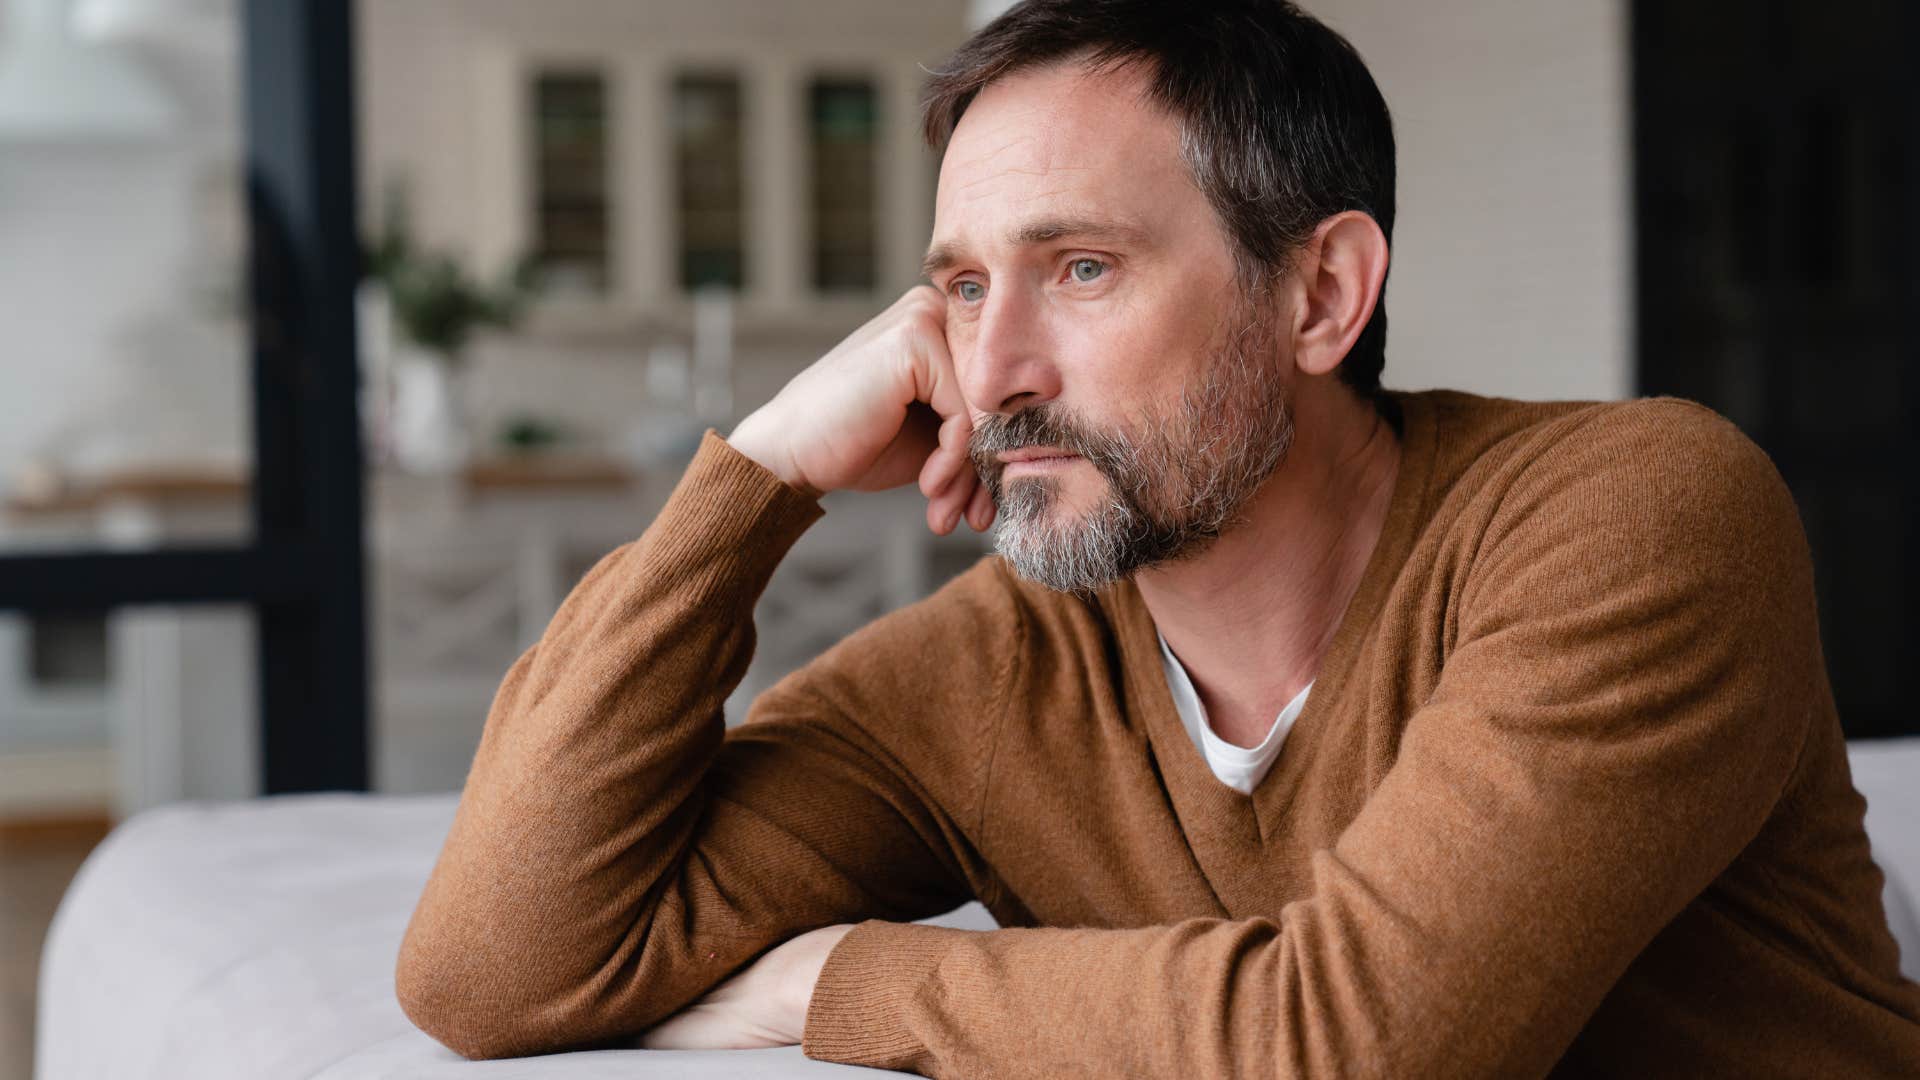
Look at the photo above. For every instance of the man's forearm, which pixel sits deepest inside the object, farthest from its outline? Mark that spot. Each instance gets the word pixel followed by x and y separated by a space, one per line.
pixel 587 784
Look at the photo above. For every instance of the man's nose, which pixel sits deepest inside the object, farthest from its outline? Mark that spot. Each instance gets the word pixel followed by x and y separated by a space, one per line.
pixel 1010 367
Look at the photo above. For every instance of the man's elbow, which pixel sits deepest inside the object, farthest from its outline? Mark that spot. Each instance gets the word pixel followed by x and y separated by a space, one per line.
pixel 464 1009
pixel 491 1013
pixel 439 1005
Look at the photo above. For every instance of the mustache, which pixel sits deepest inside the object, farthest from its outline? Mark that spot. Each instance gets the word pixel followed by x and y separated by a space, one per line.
pixel 1042 425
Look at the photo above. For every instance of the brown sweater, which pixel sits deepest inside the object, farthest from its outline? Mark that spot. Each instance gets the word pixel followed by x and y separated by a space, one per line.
pixel 1569 797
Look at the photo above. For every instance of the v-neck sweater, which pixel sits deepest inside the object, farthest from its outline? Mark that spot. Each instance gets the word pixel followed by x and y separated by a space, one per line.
pixel 1239 767
pixel 1570 798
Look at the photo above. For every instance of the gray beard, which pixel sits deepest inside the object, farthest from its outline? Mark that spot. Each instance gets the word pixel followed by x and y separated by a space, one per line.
pixel 1175 482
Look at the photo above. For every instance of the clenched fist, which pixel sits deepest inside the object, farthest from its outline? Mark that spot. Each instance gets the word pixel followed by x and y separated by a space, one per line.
pixel 881 408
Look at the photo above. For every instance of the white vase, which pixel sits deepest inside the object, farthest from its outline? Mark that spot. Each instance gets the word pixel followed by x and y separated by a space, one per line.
pixel 429 413
pixel 374 319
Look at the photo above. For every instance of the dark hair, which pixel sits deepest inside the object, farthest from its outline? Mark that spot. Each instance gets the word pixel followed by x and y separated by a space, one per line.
pixel 1281 123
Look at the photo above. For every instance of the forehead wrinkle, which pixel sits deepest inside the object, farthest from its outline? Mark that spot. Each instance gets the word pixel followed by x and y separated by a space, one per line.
pixel 1042 171
pixel 985 158
pixel 1040 146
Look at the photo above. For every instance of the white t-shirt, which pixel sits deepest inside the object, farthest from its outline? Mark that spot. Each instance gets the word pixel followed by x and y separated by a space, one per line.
pixel 1240 768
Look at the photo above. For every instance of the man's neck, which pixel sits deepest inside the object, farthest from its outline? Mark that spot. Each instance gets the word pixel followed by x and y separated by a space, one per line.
pixel 1251 617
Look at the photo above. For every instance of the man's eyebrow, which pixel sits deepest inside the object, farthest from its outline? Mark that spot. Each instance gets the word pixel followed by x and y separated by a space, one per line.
pixel 941 256
pixel 1039 232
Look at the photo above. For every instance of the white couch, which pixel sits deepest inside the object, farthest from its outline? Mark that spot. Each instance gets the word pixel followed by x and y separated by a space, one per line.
pixel 1887 772
pixel 257 940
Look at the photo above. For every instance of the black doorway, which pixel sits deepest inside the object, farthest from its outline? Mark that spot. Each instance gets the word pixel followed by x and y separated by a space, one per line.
pixel 1776 217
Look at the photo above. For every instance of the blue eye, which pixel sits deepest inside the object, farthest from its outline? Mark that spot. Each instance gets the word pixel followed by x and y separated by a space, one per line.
pixel 1087 269
pixel 970 290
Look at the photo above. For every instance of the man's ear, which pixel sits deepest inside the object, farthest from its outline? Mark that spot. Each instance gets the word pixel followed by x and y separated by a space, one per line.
pixel 1338 275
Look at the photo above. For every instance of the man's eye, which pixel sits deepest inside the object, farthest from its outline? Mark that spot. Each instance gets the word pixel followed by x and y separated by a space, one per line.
pixel 970 290
pixel 1087 269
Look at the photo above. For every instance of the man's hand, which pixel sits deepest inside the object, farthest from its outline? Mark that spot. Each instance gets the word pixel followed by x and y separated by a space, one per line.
pixel 764 1005
pixel 881 407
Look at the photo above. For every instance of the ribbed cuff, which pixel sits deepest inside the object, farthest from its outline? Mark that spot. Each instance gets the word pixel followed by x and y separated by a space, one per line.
pixel 858 1015
pixel 729 521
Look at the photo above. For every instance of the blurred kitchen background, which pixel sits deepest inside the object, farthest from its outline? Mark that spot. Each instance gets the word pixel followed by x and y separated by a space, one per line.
pixel 593 228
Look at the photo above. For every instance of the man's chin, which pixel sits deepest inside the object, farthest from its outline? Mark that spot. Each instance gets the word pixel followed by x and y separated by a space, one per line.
pixel 1048 570
pixel 1060 549
pixel 1075 551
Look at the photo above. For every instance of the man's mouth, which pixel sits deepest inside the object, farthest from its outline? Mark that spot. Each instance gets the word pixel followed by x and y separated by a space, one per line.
pixel 1038 457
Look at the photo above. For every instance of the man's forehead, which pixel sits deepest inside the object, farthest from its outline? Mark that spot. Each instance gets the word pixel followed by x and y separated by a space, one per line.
pixel 1053 146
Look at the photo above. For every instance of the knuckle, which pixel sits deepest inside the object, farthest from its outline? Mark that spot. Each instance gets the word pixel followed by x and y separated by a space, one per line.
pixel 919 332
pixel 934 324
pixel 929 303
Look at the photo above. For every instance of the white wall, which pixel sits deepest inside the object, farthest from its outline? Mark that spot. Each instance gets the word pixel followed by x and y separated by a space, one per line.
pixel 1512 255
pixel 120 261
pixel 93 241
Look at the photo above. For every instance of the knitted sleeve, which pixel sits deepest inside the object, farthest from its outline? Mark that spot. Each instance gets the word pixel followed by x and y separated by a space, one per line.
pixel 616 851
pixel 1630 673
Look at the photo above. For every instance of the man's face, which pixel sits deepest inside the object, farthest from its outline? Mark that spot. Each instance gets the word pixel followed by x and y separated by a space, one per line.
pixel 1093 312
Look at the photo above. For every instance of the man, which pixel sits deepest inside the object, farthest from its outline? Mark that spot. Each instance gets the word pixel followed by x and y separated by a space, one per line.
pixel 1298 727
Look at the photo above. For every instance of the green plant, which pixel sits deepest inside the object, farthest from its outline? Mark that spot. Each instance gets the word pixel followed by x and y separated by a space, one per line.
pixel 436 303
pixel 525 433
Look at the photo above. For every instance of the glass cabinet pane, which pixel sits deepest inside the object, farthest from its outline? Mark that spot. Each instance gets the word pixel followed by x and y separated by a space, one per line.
pixel 710 180
pixel 572 214
pixel 844 133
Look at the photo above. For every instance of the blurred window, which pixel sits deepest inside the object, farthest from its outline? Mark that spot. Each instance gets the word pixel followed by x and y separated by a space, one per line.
pixel 570 175
pixel 844 133
pixel 710 180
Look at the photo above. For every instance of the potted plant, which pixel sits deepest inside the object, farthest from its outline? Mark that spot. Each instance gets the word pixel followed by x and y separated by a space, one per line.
pixel 435 307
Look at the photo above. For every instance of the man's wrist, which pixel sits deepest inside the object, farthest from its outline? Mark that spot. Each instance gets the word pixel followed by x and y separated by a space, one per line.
pixel 729 518
pixel 820 944
pixel 858 1014
pixel 747 439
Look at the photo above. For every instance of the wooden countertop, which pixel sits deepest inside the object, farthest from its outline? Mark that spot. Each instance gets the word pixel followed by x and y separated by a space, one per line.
pixel 188 484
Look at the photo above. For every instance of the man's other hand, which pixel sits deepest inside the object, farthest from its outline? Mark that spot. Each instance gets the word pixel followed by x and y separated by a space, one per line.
pixel 764 1005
